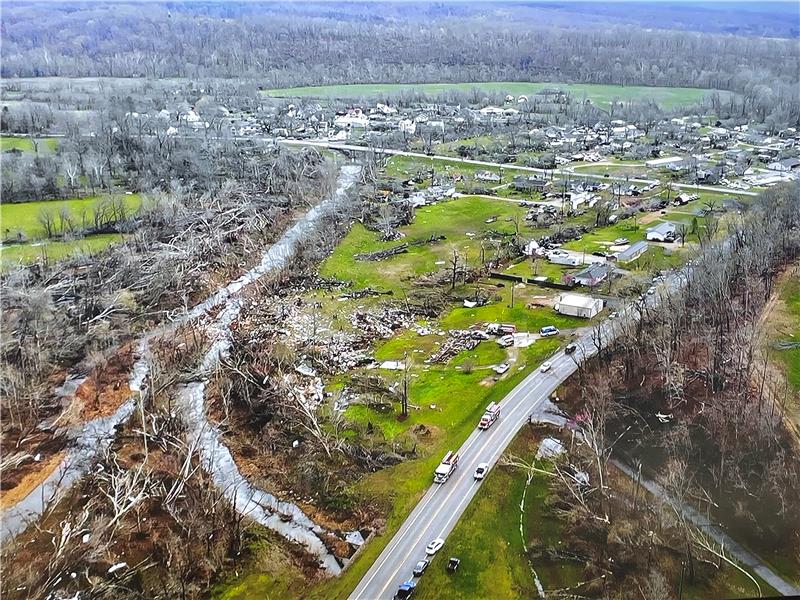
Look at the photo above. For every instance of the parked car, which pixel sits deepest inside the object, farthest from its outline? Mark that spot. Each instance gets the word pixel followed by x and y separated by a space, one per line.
pixel 506 341
pixel 406 590
pixel 420 567
pixel 501 368
pixel 545 367
pixel 452 564
pixel 481 471
pixel 434 546
pixel 548 330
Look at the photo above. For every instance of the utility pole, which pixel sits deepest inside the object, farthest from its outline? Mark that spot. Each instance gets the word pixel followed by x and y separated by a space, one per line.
pixel 404 399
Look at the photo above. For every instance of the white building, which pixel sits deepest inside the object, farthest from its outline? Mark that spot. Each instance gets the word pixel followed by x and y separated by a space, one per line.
pixel 667 161
pixel 663 232
pixel 577 305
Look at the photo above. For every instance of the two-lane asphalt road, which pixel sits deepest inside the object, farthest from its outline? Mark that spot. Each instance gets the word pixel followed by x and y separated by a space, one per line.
pixel 561 172
pixel 437 513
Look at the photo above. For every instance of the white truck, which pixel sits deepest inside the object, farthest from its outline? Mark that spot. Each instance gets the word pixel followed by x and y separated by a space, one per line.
pixel 489 416
pixel 446 467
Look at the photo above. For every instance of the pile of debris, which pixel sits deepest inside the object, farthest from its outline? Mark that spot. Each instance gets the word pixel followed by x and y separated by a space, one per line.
pixel 399 249
pixel 366 292
pixel 564 235
pixel 458 340
pixel 381 324
pixel 544 215
pixel 307 390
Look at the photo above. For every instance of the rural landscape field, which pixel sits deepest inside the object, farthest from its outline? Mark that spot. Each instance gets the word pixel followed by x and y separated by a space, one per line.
pixel 376 300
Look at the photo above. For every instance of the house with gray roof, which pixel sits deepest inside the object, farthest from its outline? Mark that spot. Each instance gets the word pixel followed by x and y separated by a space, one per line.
pixel 632 252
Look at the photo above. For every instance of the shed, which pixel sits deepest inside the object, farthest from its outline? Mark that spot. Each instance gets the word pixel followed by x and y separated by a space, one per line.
pixel 577 305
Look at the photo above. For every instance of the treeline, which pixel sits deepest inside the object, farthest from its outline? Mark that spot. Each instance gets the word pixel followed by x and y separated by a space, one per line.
pixel 143 156
pixel 702 356
pixel 279 49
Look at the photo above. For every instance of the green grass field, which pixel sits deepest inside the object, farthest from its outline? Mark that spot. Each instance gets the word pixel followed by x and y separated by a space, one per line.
pixel 24 216
pixel 16 254
pixel 25 144
pixel 453 219
pixel 601 94
pixel 790 330
pixel 22 219
pixel 487 539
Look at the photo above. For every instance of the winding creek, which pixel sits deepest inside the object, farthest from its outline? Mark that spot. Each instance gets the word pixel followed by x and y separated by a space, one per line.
pixel 96 436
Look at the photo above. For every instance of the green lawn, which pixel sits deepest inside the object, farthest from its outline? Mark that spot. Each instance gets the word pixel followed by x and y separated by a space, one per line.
pixel 25 144
pixel 453 219
pixel 602 94
pixel 487 539
pixel 24 216
pixel 790 330
pixel 601 238
pixel 500 312
pixel 15 254
pixel 449 389
pixel 542 268
pixel 460 401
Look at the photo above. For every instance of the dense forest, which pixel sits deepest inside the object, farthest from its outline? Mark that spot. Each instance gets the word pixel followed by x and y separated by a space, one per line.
pixel 350 43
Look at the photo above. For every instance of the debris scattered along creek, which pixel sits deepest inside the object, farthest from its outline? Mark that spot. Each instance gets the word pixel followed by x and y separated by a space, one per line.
pixel 96 435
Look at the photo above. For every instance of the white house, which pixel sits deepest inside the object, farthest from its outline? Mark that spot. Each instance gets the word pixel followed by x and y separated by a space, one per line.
pixel 663 232
pixel 577 305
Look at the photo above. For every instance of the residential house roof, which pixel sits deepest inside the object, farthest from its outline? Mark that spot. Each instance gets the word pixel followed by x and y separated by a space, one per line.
pixel 633 251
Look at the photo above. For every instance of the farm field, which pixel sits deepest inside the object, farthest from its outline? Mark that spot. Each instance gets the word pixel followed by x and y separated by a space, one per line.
pixel 24 216
pixel 21 222
pixel 54 250
pixel 25 144
pixel 602 94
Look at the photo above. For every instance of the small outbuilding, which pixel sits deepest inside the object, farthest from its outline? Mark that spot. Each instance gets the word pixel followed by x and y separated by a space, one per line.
pixel 632 252
pixel 578 305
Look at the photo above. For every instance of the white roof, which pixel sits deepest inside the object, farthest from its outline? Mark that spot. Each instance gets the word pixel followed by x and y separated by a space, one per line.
pixel 577 300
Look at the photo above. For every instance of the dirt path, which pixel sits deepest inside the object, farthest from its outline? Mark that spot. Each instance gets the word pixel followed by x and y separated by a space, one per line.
pixel 716 532
pixel 776 323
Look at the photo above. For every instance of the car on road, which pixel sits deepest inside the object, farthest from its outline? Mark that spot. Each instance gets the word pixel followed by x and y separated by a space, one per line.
pixel 420 567
pixel 481 471
pixel 545 366
pixel 570 348
pixel 406 590
pixel 434 546
pixel 548 330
